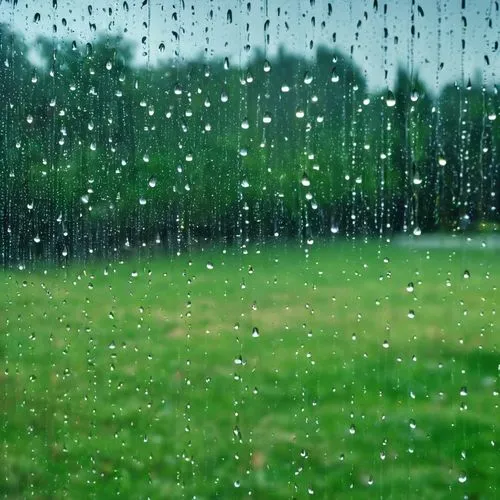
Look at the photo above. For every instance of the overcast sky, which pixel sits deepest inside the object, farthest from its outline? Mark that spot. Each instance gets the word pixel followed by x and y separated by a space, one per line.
pixel 291 25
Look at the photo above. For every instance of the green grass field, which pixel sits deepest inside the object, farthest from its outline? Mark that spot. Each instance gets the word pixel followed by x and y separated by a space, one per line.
pixel 147 380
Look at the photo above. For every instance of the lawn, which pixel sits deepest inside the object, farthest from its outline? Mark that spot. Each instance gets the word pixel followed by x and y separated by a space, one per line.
pixel 362 370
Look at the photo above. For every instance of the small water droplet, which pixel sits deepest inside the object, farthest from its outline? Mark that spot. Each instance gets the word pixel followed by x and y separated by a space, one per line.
pixel 390 99
pixel 255 332
pixel 210 266
pixel 308 78
pixel 305 180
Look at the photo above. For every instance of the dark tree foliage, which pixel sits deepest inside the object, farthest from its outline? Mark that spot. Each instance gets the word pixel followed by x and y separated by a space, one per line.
pixel 98 155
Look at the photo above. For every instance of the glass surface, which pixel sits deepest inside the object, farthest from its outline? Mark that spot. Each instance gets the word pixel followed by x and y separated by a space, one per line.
pixel 249 249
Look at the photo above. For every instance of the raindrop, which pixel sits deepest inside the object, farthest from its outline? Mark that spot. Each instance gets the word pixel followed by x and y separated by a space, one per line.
pixel 210 266
pixel 267 118
pixel 152 182
pixel 466 274
pixel 390 99
pixel 305 180
pixel 255 332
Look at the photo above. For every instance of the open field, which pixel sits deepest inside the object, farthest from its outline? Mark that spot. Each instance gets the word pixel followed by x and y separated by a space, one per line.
pixel 144 379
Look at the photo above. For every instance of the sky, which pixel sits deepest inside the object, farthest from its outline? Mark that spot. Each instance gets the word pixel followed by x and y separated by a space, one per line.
pixel 190 28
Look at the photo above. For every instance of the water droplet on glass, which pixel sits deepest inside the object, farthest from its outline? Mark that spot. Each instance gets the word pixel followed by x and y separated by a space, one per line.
pixel 210 266
pixel 308 78
pixel 390 99
pixel 255 332
pixel 417 180
pixel 142 201
pixel 305 180
pixel 267 118
pixel 411 314
pixel 410 287
pixel 466 274
pixel 462 478
pixel 152 182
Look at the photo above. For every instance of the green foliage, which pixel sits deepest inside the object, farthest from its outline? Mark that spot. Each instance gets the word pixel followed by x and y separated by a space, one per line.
pixel 228 148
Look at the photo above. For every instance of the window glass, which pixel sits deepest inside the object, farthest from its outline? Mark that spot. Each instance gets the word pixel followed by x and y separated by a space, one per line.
pixel 249 249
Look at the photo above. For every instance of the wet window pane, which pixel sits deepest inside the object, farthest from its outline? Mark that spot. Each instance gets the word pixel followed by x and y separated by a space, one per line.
pixel 249 249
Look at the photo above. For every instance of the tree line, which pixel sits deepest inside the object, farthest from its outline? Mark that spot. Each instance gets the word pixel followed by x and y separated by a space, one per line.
pixel 98 155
